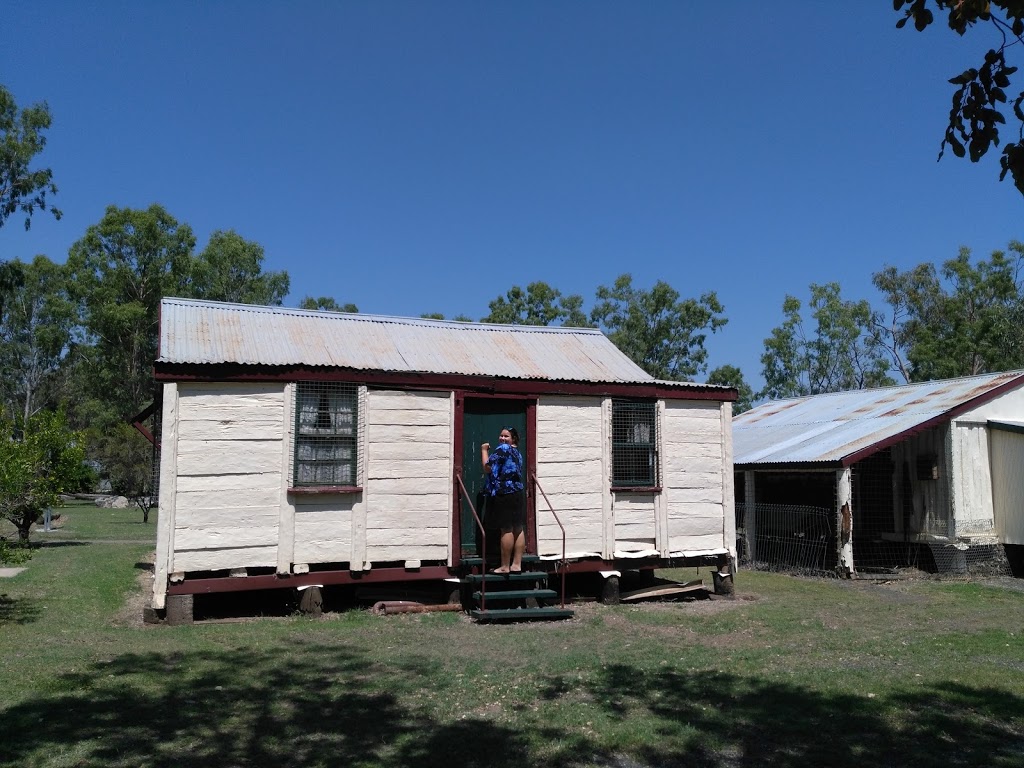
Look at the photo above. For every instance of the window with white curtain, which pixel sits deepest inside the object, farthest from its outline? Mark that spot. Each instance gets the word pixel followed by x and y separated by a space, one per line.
pixel 326 440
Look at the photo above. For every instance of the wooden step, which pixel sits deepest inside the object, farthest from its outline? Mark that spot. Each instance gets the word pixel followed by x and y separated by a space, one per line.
pixel 521 614
pixel 476 561
pixel 476 578
pixel 518 594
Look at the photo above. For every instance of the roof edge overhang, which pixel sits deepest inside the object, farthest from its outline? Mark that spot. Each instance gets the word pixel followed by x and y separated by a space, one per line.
pixel 790 466
pixel 181 372
pixel 935 421
pixel 1006 426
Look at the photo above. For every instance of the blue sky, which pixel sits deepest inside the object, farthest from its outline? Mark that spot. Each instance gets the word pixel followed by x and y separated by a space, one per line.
pixel 417 157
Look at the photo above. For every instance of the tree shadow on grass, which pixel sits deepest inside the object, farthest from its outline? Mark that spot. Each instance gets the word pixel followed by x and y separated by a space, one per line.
pixel 309 704
pixel 58 544
pixel 304 706
pixel 703 719
pixel 17 611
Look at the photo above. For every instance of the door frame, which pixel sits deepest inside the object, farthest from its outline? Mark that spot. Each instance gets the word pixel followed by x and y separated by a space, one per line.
pixel 530 403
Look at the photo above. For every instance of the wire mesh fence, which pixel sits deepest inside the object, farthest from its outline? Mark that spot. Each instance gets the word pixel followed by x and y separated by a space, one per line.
pixel 903 525
pixel 788 538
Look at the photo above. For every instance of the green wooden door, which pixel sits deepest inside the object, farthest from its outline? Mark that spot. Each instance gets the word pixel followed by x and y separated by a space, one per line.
pixel 482 422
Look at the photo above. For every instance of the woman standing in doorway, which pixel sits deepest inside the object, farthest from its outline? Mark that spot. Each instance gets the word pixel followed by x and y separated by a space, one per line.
pixel 507 497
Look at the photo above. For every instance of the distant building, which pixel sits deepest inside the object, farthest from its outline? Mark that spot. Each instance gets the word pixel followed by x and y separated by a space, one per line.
pixel 932 470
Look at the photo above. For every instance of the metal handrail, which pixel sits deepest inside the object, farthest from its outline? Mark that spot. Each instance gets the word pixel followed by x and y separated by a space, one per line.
pixel 561 565
pixel 483 544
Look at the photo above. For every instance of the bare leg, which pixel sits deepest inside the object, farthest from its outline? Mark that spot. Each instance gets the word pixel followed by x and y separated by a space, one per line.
pixel 507 545
pixel 518 548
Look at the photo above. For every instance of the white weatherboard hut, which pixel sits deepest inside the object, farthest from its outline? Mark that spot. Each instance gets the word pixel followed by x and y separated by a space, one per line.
pixel 310 448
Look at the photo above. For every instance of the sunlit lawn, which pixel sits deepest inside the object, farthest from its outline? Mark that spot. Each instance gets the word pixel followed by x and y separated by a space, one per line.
pixel 794 673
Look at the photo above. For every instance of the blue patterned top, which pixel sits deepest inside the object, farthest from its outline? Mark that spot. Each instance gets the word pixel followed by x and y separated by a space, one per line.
pixel 505 470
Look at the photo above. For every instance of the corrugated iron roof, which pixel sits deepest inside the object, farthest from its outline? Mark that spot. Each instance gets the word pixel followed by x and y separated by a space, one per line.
pixel 205 332
pixel 828 428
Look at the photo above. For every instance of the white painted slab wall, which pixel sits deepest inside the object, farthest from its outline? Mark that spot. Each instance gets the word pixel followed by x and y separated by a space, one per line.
pixel 974 459
pixel 409 475
pixel 694 480
pixel 1008 485
pixel 1006 407
pixel 635 516
pixel 231 460
pixel 972 481
pixel 228 461
pixel 569 469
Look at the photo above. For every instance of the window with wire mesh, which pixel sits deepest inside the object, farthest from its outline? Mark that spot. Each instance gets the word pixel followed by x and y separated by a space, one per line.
pixel 634 444
pixel 326 425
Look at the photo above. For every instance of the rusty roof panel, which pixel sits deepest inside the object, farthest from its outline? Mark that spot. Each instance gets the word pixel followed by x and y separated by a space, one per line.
pixel 202 332
pixel 828 428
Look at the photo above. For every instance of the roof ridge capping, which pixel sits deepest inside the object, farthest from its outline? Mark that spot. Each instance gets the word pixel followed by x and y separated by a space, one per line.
pixel 369 317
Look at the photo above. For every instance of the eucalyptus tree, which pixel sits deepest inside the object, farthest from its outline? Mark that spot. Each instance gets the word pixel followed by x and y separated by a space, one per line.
pixel 230 268
pixel 326 304
pixel 35 336
pixel 118 273
pixel 22 137
pixel 837 352
pixel 538 304
pixel 659 331
pixel 731 376
pixel 961 318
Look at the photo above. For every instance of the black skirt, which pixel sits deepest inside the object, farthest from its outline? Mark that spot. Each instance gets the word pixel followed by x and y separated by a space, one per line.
pixel 507 511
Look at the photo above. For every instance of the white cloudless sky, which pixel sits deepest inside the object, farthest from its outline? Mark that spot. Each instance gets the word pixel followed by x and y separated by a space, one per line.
pixel 415 157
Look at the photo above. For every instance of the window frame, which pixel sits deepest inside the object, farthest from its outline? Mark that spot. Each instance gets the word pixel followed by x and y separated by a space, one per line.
pixel 631 415
pixel 343 435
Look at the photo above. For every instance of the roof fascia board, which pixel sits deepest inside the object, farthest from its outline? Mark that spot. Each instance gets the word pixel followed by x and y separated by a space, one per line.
pixel 165 372
pixel 790 466
pixel 935 421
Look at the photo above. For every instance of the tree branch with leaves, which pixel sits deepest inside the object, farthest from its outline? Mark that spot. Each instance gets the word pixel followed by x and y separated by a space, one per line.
pixel 980 97
pixel 21 139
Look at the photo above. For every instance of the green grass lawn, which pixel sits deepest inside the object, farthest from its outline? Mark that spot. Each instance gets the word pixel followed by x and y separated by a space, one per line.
pixel 794 672
pixel 83 520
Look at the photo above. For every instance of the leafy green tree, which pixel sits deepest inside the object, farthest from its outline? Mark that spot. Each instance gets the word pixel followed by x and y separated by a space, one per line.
pixel 960 319
pixel 539 304
pixel 37 464
pixel 11 277
pixel 21 139
pixel 326 304
pixel 839 353
pixel 129 464
pixel 980 96
pixel 35 334
pixel 230 268
pixel 118 273
pixel 731 376
pixel 661 333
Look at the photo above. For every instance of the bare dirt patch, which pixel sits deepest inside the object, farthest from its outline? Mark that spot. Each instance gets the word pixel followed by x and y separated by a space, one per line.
pixel 130 614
